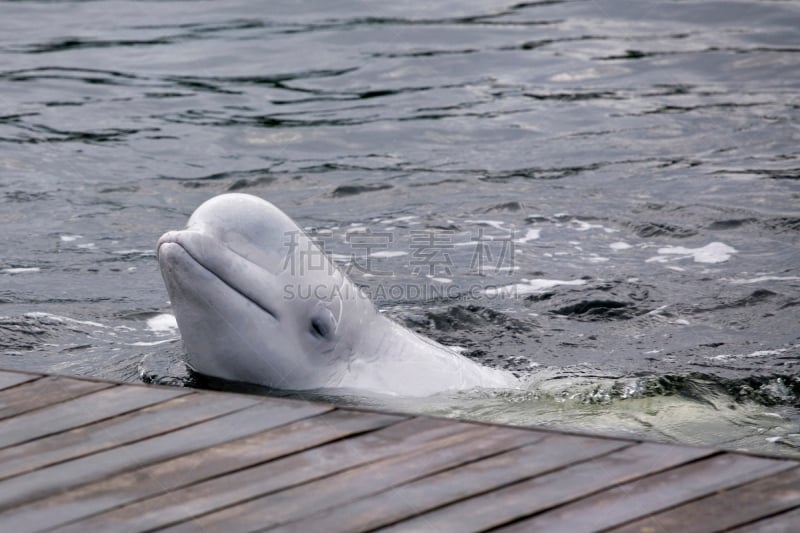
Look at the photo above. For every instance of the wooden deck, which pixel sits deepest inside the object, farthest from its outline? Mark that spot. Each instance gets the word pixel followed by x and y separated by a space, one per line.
pixel 85 455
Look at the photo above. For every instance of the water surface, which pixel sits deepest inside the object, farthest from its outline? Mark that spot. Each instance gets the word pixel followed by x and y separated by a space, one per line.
pixel 639 160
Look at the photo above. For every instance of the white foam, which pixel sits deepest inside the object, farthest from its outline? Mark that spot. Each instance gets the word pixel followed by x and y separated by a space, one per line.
pixel 577 75
pixel 715 252
pixel 581 225
pixel 20 270
pixel 761 279
pixel 617 246
pixel 153 343
pixel 59 318
pixel 134 251
pixel 531 235
pixel 656 311
pixel 757 353
pixel 529 287
pixel 387 253
pixel 70 238
pixel 163 323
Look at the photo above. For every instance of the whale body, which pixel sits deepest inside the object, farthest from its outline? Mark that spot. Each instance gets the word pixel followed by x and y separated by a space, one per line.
pixel 257 301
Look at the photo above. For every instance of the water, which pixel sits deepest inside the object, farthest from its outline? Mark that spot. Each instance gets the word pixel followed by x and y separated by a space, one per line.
pixel 639 161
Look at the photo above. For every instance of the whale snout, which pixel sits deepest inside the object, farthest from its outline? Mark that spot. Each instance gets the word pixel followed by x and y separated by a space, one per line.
pixel 239 274
pixel 170 237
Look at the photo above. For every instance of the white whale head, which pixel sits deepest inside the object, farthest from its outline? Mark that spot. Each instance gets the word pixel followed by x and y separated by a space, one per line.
pixel 257 301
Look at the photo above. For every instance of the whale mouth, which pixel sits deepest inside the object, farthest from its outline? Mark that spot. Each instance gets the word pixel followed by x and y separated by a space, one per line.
pixel 174 242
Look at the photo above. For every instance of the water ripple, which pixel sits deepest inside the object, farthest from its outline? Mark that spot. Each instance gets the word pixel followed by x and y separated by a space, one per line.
pixel 611 142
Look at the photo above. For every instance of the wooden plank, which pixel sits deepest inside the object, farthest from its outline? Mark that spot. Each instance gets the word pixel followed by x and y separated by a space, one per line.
pixel 12 379
pixel 782 523
pixel 167 416
pixel 158 478
pixel 729 508
pixel 80 411
pixel 442 453
pixel 293 470
pixel 652 494
pixel 79 455
pixel 241 422
pixel 42 392
pixel 550 452
pixel 539 493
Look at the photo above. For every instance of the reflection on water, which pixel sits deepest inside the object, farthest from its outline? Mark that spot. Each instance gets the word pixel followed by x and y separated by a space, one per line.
pixel 641 157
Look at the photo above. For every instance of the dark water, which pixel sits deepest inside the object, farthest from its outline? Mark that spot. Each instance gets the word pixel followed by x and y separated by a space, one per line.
pixel 643 154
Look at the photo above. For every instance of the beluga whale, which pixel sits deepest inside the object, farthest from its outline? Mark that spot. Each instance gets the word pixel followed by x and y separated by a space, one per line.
pixel 257 301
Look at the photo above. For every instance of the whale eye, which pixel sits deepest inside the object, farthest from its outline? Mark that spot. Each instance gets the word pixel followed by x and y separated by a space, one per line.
pixel 322 325
pixel 319 328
